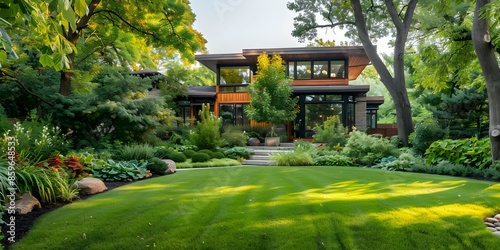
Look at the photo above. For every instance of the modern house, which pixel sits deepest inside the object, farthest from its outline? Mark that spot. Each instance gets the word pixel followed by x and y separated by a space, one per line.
pixel 321 77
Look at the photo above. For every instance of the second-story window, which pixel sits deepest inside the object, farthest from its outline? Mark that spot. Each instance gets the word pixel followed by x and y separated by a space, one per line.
pixel 323 69
pixel 235 75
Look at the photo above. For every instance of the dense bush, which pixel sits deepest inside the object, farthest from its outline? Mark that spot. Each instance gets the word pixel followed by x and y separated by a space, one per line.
pixel 333 160
pixel 163 153
pixel 210 164
pixel 157 166
pixel 470 152
pixel 331 132
pixel 238 153
pixel 177 157
pixel 234 138
pixel 207 134
pixel 258 132
pixel 136 152
pixel 365 150
pixel 210 153
pixel 189 153
pixel 425 134
pixel 404 162
pixel 119 170
pixel 218 155
pixel 200 157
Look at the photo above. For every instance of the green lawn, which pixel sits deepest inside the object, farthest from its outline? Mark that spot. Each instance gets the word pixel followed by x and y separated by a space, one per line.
pixel 278 208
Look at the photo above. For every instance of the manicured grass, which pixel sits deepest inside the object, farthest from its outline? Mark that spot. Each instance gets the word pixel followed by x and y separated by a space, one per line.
pixel 278 208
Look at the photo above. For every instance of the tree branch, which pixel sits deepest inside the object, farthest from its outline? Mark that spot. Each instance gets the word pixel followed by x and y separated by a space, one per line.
pixel 129 24
pixel 25 88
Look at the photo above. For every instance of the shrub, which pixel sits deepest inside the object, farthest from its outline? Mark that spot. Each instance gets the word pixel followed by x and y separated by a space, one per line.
pixel 200 157
pixel 331 132
pixel 218 155
pixel 239 152
pixel 119 170
pixel 470 152
pixel 425 134
pixel 333 160
pixel 234 138
pixel 365 150
pixel 189 153
pixel 157 166
pixel 163 153
pixel 210 153
pixel 404 162
pixel 292 159
pixel 209 164
pixel 207 134
pixel 177 157
pixel 136 152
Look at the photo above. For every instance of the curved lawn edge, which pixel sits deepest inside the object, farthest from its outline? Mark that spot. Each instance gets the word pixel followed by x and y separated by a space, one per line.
pixel 253 207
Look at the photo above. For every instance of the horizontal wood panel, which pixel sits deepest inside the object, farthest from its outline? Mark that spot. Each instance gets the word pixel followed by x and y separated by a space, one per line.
pixel 233 98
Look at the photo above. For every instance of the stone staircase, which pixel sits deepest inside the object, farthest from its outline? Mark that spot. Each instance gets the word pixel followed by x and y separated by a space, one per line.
pixel 263 153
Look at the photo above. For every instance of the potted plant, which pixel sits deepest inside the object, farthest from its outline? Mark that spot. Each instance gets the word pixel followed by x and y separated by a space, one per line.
pixel 271 95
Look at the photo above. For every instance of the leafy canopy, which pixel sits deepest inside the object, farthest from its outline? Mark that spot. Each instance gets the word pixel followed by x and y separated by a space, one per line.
pixel 271 93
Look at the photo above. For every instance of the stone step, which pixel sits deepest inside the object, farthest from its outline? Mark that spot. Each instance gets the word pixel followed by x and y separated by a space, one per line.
pixel 257 162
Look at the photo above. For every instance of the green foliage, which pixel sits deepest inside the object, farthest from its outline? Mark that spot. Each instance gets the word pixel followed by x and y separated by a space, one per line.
pixel 333 160
pixel 118 109
pixel 365 150
pixel 271 93
pixel 177 157
pixel 470 152
pixel 111 170
pixel 157 166
pixel 296 158
pixel 239 152
pixel 225 162
pixel 404 162
pixel 210 153
pixel 189 153
pixel 234 138
pixel 258 132
pixel 207 134
pixel 218 155
pixel 425 134
pixel 136 152
pixel 200 157
pixel 163 152
pixel 331 132
pixel 35 140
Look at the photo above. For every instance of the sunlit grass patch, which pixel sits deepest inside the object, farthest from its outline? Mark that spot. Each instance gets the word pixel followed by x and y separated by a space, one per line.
pixel 278 208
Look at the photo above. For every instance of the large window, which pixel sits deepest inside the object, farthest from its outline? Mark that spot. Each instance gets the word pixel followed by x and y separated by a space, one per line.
pixel 317 69
pixel 233 114
pixel 235 75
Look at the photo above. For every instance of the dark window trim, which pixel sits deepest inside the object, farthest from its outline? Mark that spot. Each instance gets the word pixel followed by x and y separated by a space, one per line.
pixel 329 60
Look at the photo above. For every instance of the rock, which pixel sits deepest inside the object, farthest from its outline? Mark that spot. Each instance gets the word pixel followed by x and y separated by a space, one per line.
pixel 497 228
pixel 491 220
pixel 90 185
pixel 496 233
pixel 497 224
pixel 253 141
pixel 492 229
pixel 489 224
pixel 172 168
pixel 497 216
pixel 26 203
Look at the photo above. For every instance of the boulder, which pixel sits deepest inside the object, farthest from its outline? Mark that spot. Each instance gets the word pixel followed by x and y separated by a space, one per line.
pixel 253 142
pixel 90 185
pixel 172 168
pixel 492 229
pixel 489 224
pixel 497 233
pixel 497 216
pixel 26 203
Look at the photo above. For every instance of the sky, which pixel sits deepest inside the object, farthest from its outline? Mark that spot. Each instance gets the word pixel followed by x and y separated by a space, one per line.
pixel 232 25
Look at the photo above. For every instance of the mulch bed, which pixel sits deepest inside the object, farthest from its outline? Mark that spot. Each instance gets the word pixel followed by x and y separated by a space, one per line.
pixel 24 222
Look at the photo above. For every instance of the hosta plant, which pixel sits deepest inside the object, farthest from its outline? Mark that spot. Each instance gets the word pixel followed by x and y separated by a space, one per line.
pixel 119 170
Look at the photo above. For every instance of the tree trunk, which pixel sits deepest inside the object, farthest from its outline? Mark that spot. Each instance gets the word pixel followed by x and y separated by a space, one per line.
pixel 485 52
pixel 395 85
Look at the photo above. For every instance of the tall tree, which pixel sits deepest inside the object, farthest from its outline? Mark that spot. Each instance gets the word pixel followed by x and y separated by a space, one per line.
pixel 485 18
pixel 60 25
pixel 367 21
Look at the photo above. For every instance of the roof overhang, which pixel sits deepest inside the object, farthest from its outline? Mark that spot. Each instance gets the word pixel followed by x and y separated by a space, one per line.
pixel 356 55
pixel 331 89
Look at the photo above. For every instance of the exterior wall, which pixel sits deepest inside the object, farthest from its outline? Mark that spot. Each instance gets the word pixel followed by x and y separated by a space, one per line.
pixel 360 112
